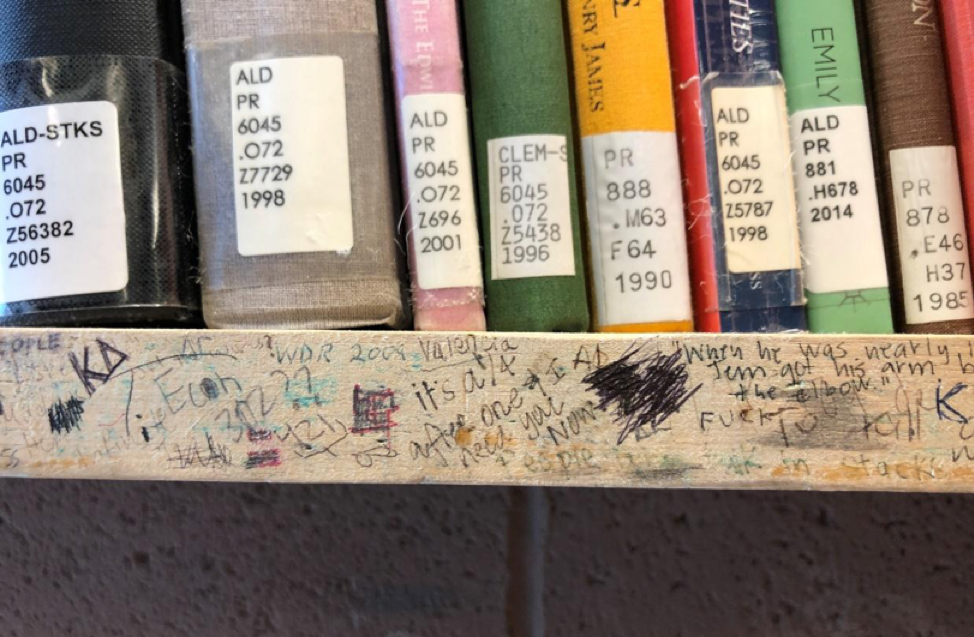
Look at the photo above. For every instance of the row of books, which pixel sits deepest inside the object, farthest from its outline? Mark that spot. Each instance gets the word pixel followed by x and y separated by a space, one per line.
pixel 778 218
pixel 745 165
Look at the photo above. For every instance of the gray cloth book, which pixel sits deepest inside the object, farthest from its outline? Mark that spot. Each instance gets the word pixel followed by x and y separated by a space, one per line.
pixel 295 191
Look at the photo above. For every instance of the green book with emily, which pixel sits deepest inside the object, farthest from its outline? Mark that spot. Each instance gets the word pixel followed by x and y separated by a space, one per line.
pixel 535 276
pixel 846 279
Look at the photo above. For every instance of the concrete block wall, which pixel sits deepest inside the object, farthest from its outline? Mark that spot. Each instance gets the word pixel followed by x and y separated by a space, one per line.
pixel 205 560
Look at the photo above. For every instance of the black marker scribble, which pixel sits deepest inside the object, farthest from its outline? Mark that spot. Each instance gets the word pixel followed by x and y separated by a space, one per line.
pixel 65 416
pixel 642 389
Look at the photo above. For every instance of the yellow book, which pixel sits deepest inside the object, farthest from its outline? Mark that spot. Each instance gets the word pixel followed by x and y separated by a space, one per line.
pixel 636 231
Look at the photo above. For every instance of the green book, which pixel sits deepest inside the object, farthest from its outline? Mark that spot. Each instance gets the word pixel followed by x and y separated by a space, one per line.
pixel 846 278
pixel 535 276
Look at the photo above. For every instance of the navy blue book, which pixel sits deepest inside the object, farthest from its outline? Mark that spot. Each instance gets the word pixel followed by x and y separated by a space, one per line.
pixel 733 124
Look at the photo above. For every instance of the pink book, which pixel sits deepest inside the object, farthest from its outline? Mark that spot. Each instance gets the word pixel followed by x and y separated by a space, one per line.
pixel 438 186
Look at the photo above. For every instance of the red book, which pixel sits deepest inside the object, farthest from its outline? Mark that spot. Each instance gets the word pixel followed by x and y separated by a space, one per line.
pixel 681 26
pixel 958 22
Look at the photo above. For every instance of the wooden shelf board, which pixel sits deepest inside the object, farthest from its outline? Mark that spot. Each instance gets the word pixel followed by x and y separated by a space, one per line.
pixel 667 411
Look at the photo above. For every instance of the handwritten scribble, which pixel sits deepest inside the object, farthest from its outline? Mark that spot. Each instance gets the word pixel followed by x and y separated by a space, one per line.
pixel 373 410
pixel 111 359
pixel 214 456
pixel 945 410
pixel 642 390
pixel 263 458
pixel 65 417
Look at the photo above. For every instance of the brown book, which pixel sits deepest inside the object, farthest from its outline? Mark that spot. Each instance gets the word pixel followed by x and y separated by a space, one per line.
pixel 928 240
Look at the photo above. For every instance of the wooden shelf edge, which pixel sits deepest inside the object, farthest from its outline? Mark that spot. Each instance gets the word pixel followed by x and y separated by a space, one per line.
pixel 658 411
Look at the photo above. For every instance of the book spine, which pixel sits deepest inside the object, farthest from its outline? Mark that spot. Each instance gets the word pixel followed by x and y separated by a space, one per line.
pixel 843 254
pixel 434 136
pixel 927 233
pixel 958 25
pixel 98 197
pixel 526 165
pixel 733 124
pixel 296 194
pixel 691 131
pixel 637 232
